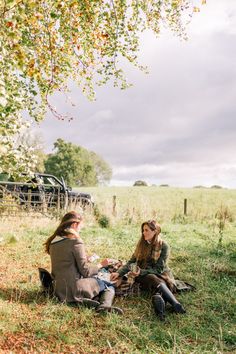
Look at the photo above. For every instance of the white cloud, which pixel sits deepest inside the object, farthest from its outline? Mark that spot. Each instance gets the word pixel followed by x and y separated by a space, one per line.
pixel 215 16
pixel 172 174
pixel 101 116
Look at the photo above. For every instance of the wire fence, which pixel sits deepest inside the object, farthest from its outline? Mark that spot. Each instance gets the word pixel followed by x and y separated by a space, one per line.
pixel 31 199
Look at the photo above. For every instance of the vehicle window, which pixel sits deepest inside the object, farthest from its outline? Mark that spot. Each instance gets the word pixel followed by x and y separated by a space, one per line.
pixel 52 181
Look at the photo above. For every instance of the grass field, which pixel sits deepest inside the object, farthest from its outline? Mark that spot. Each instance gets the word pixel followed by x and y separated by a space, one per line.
pixel 203 252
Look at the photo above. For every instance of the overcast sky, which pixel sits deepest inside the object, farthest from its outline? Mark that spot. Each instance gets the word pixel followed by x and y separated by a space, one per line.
pixel 177 124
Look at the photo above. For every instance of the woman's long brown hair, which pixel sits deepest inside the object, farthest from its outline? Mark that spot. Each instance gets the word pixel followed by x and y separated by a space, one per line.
pixel 143 248
pixel 67 220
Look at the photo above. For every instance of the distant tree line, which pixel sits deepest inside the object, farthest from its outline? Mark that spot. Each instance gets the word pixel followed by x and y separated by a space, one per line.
pixel 77 165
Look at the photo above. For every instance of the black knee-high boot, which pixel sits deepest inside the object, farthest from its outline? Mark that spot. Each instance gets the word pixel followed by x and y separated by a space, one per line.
pixel 159 306
pixel 168 296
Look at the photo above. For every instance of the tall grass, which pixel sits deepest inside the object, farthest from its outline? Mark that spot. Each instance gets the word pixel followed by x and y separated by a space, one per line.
pixel 31 323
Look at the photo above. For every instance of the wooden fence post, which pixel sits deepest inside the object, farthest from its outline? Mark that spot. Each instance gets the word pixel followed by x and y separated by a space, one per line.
pixel 29 198
pixel 185 206
pixel 59 200
pixel 114 205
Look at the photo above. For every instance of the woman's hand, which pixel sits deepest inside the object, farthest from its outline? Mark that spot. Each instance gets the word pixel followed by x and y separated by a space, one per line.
pixel 135 273
pixel 114 276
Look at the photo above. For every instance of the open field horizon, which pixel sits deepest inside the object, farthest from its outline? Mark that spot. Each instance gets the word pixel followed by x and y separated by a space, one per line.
pixel 163 203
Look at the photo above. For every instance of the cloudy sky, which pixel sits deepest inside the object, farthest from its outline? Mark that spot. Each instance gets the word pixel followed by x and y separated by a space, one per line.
pixel 177 124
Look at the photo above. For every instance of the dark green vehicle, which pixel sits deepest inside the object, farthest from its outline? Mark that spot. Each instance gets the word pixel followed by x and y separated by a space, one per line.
pixel 42 191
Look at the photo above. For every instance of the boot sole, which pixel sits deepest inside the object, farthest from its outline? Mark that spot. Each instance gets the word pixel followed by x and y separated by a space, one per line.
pixel 88 303
pixel 104 309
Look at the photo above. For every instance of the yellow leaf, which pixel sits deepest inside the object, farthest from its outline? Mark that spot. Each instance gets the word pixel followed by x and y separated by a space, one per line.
pixel 203 2
pixel 196 9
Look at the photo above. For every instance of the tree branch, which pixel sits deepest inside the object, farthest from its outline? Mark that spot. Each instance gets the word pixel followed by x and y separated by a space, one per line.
pixel 5 10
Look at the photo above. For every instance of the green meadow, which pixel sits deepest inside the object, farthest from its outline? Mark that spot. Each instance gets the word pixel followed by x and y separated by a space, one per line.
pixel 203 253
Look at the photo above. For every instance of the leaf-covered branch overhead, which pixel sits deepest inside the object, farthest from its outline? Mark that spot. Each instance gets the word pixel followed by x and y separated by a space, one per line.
pixel 45 43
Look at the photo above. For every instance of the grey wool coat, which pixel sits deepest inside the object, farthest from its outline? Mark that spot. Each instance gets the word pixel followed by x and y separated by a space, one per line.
pixel 71 273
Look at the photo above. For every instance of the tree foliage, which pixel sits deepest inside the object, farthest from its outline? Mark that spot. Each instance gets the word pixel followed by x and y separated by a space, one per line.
pixel 77 165
pixel 102 169
pixel 44 43
pixel 34 144
pixel 15 155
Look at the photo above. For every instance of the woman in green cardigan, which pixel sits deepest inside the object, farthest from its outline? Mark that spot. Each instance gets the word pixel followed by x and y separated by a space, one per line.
pixel 149 267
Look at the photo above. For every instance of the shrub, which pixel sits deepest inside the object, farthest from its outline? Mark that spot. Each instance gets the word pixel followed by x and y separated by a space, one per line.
pixel 96 212
pixel 140 183
pixel 104 221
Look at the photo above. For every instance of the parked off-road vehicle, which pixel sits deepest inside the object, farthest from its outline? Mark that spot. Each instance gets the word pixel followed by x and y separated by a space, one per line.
pixel 42 191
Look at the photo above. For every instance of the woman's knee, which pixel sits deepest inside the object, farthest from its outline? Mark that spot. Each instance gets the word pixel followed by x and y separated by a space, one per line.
pixel 149 282
pixel 153 279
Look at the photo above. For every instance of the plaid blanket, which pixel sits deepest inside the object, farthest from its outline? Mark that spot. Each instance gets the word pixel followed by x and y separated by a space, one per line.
pixel 126 285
